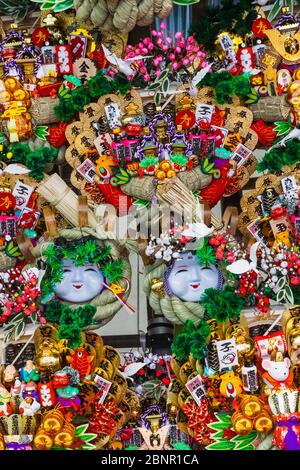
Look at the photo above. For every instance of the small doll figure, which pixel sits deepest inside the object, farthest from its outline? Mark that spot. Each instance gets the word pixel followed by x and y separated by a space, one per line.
pixel 82 361
pixel 29 372
pixel 29 406
pixel 68 397
pixel 278 374
pixel 5 402
pixel 65 382
pixel 30 390
pixel 16 388
pixel 9 375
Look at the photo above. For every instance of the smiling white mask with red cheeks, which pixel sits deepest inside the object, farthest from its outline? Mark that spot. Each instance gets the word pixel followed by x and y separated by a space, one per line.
pixel 79 283
pixel 188 280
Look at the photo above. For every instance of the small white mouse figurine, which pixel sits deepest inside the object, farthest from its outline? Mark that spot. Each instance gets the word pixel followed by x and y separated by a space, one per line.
pixel 278 373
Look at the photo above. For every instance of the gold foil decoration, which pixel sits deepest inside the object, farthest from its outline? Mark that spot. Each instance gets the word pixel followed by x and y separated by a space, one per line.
pixel 157 286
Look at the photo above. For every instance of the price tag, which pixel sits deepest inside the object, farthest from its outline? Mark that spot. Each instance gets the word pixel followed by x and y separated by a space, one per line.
pixel 103 387
pixel 87 169
pixel 196 388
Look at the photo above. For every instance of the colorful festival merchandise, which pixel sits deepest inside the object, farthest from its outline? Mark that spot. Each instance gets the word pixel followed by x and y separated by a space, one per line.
pixel 149 225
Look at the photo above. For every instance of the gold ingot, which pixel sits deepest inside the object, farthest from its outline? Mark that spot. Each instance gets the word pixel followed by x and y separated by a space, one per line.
pixel 42 440
pixel 294 86
pixel 296 74
pixel 53 421
pixel 48 356
pixel 65 437
pixel 251 406
pixel 157 286
pixel 241 424
pixel 19 95
pixel 263 422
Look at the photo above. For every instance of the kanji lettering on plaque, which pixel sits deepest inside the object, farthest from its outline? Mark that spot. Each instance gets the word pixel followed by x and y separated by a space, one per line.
pixel 204 112
pixel 22 193
pixel 64 59
pixel 113 115
pixel 84 68
pixel 225 42
pixel 227 353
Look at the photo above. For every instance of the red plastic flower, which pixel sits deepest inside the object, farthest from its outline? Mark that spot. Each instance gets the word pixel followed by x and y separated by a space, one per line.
pixel 56 135
pixel 265 132
pixel 166 381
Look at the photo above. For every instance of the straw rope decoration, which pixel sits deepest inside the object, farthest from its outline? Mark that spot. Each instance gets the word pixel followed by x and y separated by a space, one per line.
pixel 175 310
pixel 65 201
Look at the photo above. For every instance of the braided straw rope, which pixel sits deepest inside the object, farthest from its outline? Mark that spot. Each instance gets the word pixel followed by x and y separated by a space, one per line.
pixel 174 309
